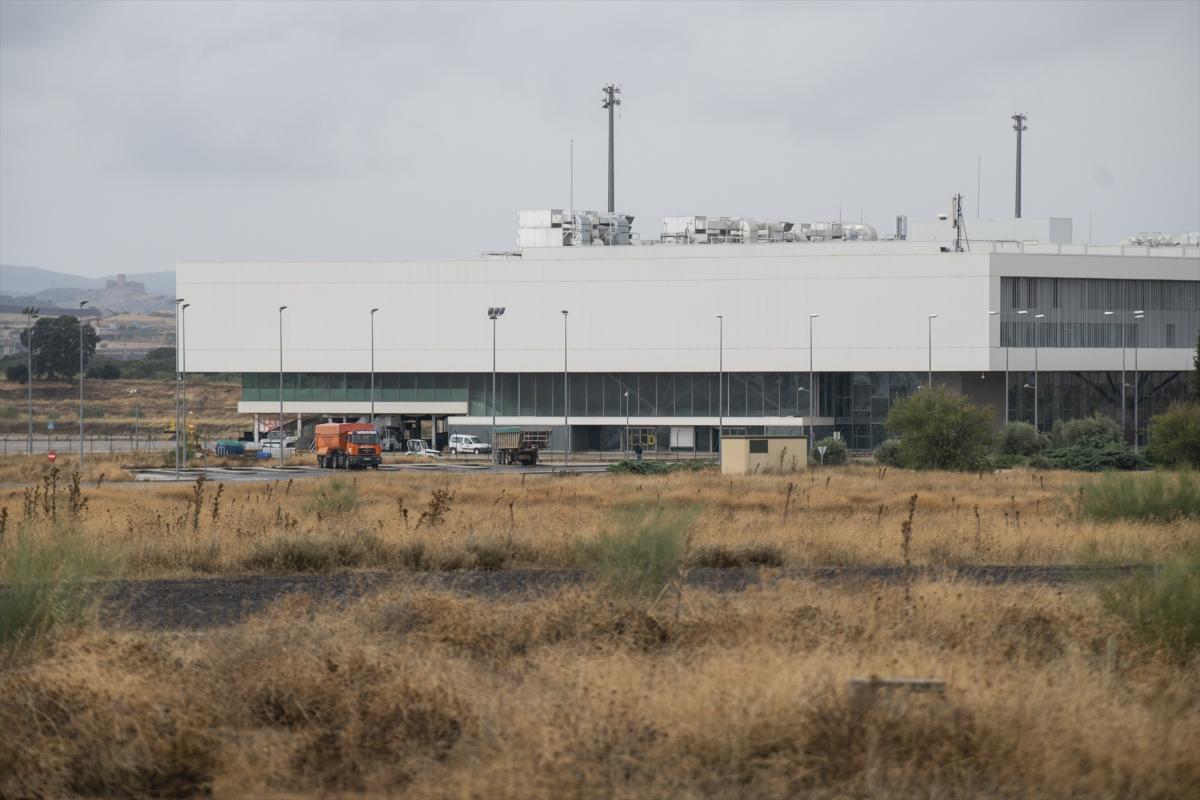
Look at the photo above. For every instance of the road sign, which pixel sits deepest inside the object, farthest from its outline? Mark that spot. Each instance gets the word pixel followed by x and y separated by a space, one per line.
pixel 51 456
pixel 821 449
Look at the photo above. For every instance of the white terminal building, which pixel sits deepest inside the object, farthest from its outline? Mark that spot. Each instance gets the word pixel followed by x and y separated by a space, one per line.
pixel 721 324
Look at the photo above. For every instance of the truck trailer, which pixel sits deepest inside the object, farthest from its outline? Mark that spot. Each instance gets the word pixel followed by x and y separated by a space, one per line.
pixel 347 445
pixel 515 445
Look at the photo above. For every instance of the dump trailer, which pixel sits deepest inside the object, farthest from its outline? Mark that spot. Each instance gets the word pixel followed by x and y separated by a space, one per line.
pixel 347 445
pixel 519 446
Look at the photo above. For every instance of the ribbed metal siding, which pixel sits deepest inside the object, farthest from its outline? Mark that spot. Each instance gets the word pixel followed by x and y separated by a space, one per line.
pixel 1074 312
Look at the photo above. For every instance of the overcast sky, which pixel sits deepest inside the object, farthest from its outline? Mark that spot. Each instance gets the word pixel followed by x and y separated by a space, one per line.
pixel 136 134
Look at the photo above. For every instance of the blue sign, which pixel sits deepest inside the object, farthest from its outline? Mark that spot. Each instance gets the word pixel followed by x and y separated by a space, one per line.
pixel 50 425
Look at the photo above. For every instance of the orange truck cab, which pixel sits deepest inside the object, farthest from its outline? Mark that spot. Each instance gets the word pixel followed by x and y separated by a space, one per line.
pixel 347 445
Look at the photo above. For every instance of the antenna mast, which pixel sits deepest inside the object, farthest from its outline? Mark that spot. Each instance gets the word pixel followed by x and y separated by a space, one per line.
pixel 1019 126
pixel 610 101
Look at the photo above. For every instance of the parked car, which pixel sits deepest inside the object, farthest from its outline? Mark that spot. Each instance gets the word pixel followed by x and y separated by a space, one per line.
pixel 465 443
pixel 419 447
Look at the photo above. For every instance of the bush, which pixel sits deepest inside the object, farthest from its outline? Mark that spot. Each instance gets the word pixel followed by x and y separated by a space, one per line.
pixel 1089 455
pixel 46 583
pixel 1020 439
pixel 836 452
pixel 1142 497
pixel 17 373
pixel 940 429
pixel 721 556
pixel 660 467
pixel 1175 436
pixel 1161 606
pixel 889 453
pixel 308 552
pixel 642 551
pixel 1096 428
pixel 1006 461
pixel 103 370
pixel 333 497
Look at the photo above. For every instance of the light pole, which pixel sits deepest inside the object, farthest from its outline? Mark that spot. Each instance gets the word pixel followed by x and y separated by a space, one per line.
pixel 932 317
pixel 282 438
pixel 31 313
pixel 566 395
pixel 720 380
pixel 1036 331
pixel 626 424
pixel 82 303
pixel 373 310
pixel 136 418
pixel 183 383
pixel 494 313
pixel 178 373
pixel 1137 315
pixel 812 389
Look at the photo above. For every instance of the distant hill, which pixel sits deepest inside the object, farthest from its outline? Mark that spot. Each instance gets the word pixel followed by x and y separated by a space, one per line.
pixel 17 281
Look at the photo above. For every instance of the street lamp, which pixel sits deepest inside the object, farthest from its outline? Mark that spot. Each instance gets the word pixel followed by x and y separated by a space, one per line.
pixel 720 380
pixel 82 303
pixel 31 313
pixel 1036 330
pixel 178 374
pixel 1137 315
pixel 566 395
pixel 373 310
pixel 494 313
pixel 183 383
pixel 626 424
pixel 812 389
pixel 136 418
pixel 932 317
pixel 282 438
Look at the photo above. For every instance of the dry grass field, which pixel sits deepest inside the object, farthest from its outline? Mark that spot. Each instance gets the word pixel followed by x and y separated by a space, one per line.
pixel 432 695
pixel 837 516
pixel 592 691
pixel 109 407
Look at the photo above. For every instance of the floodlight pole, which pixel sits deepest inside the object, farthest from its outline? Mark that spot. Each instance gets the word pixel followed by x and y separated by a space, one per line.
pixel 720 380
pixel 494 313
pixel 1036 331
pixel 183 383
pixel 812 389
pixel 566 396
pixel 82 303
pixel 373 310
pixel 136 418
pixel 178 373
pixel 31 313
pixel 932 317
pixel 626 424
pixel 1137 315
pixel 282 438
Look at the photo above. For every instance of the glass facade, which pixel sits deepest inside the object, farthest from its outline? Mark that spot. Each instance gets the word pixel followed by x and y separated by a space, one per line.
pixel 1073 310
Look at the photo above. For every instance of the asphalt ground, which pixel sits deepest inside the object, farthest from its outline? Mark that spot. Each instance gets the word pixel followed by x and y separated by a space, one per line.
pixel 269 473
pixel 202 603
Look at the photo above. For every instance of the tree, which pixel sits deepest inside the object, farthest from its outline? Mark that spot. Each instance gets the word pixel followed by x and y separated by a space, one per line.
pixel 1175 436
pixel 17 373
pixel 56 346
pixel 939 429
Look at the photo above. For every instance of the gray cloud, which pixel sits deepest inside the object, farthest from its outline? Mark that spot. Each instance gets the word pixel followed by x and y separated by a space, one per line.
pixel 133 134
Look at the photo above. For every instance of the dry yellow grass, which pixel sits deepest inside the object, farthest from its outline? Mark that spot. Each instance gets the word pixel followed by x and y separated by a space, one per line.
pixel 109 407
pixel 427 695
pixel 841 516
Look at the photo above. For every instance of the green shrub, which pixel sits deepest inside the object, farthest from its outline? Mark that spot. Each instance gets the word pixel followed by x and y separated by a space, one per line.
pixel 1175 436
pixel 103 370
pixel 890 454
pixel 940 429
pixel 17 373
pixel 642 550
pixel 1096 428
pixel 333 497
pixel 1161 606
pixel 1159 497
pixel 1089 455
pixel 1020 439
pixel 1006 461
pixel 836 452
pixel 46 581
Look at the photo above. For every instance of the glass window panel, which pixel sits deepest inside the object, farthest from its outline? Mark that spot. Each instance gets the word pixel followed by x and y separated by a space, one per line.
pixel 736 402
pixel 704 386
pixel 579 395
pixel 683 393
pixel 646 398
pixel 664 391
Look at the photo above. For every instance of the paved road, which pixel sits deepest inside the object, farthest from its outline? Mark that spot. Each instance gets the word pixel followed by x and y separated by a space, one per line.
pixel 212 602
pixel 269 473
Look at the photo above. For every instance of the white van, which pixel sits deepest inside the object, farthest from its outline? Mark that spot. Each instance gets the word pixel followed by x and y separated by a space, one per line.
pixel 465 443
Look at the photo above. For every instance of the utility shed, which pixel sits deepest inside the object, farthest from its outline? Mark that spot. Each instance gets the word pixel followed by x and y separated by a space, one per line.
pixel 763 455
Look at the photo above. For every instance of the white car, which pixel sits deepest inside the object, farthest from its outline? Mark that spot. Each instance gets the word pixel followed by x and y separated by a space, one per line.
pixel 419 447
pixel 465 443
